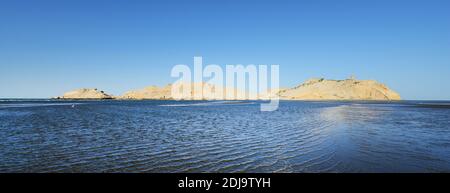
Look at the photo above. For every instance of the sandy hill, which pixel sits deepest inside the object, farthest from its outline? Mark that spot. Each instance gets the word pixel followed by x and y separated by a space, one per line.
pixel 85 93
pixel 151 92
pixel 215 93
pixel 348 89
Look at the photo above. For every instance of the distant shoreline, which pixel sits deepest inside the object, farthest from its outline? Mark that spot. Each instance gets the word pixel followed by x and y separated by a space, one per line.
pixel 355 100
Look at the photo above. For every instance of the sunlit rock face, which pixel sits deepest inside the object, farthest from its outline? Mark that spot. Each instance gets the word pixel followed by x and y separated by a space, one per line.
pixel 313 89
pixel 197 91
pixel 348 89
pixel 85 93
pixel 150 92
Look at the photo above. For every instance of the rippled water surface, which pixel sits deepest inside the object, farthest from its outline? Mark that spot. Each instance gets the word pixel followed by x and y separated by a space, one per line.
pixel 189 136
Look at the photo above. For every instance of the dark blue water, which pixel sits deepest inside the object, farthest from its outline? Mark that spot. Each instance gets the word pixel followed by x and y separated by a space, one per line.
pixel 170 136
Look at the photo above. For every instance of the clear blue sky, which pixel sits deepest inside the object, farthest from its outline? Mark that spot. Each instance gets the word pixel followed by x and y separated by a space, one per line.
pixel 49 47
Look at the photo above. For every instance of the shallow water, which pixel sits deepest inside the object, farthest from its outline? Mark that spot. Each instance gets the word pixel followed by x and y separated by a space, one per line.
pixel 192 136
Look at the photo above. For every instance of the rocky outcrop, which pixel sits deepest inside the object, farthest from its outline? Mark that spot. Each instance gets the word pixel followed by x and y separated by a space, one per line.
pixel 151 92
pixel 206 92
pixel 348 89
pixel 85 93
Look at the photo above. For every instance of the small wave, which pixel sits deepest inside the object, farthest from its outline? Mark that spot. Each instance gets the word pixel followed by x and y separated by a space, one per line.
pixel 433 105
pixel 22 100
pixel 22 105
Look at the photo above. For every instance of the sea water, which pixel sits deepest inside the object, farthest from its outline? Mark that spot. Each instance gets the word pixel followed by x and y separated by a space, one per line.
pixel 223 136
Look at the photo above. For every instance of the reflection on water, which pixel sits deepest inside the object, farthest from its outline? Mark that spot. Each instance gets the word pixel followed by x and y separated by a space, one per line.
pixel 222 136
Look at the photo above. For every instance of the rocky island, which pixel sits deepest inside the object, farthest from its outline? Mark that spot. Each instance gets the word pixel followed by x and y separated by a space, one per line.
pixel 85 93
pixel 151 92
pixel 312 89
pixel 165 93
pixel 348 89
